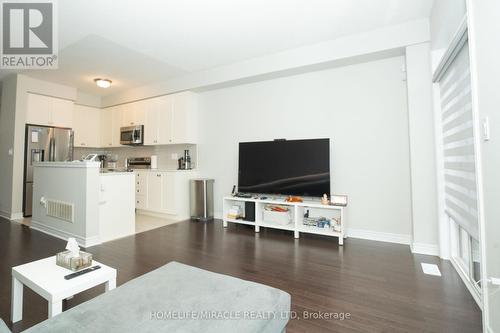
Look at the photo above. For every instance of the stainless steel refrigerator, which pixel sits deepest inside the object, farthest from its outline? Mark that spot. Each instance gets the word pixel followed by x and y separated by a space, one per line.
pixel 43 144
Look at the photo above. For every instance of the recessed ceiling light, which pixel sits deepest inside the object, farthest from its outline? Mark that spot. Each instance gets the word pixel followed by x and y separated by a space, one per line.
pixel 103 83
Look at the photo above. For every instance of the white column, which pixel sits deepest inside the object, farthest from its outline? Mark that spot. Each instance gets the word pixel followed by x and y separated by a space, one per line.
pixel 422 150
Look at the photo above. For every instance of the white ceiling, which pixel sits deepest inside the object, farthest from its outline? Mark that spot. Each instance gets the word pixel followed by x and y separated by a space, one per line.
pixel 136 42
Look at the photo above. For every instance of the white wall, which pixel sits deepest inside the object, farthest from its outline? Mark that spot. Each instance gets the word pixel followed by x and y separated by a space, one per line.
pixel 446 16
pixel 302 59
pixel 445 19
pixel 7 121
pixel 363 109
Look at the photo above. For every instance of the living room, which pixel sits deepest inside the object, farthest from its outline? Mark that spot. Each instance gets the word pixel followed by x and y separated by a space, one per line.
pixel 346 154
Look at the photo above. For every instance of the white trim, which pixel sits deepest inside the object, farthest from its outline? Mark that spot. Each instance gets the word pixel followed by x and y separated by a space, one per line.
pixel 378 236
pixel 64 235
pixel 467 282
pixel 162 215
pixel 425 248
pixel 16 216
pixel 459 39
pixel 5 215
pixel 479 165
pixel 11 216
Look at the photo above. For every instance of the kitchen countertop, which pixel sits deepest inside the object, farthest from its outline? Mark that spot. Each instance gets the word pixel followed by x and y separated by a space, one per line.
pixel 163 170
pixel 118 173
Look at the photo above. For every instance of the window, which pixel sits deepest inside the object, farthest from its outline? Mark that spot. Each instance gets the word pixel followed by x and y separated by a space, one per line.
pixel 459 169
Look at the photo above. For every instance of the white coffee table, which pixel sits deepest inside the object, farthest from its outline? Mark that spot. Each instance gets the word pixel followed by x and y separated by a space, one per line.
pixel 47 279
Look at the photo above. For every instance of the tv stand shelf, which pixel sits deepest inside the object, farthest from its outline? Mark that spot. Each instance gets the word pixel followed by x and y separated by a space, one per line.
pixel 297 210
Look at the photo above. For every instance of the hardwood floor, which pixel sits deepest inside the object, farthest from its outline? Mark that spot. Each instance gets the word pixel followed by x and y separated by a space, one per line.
pixel 380 285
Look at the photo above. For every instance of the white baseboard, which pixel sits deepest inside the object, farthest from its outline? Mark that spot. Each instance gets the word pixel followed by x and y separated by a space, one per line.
pixel 5 215
pixel 64 235
pixel 160 215
pixel 425 248
pixel 378 236
pixel 11 216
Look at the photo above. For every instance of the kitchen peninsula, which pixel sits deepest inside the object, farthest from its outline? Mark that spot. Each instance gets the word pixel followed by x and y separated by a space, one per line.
pixel 74 199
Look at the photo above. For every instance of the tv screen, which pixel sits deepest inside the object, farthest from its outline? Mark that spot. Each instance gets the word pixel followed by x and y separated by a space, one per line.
pixel 288 167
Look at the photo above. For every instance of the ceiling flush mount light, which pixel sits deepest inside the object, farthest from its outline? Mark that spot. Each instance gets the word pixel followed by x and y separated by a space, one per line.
pixel 103 83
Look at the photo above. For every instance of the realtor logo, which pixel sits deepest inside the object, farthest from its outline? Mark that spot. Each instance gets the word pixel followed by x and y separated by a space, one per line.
pixel 28 35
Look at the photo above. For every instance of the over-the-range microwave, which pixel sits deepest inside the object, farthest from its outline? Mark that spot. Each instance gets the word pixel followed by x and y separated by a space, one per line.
pixel 132 135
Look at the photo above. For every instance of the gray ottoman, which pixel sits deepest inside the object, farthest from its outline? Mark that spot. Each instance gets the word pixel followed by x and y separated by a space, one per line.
pixel 178 298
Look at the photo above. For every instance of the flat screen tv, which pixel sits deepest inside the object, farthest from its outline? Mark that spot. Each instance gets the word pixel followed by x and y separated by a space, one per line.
pixel 288 167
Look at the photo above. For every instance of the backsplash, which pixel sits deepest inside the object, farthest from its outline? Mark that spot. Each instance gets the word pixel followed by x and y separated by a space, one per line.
pixel 164 154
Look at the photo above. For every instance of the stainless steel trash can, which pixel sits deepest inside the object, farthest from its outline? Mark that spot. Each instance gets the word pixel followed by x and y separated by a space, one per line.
pixel 201 199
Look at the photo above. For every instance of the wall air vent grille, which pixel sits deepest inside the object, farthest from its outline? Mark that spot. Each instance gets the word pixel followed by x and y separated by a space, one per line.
pixel 60 210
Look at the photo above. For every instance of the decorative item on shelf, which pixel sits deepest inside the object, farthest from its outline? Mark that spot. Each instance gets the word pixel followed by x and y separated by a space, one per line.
pixel 293 199
pixel 73 258
pixel 234 212
pixel 324 200
pixel 319 222
pixel 338 200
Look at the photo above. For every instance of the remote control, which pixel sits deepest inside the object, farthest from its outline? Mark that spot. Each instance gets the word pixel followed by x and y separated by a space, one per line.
pixel 87 270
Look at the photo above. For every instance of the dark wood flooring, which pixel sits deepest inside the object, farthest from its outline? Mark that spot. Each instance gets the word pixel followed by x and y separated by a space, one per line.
pixel 379 284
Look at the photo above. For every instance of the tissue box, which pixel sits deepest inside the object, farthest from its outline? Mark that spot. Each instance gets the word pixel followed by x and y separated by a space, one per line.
pixel 64 259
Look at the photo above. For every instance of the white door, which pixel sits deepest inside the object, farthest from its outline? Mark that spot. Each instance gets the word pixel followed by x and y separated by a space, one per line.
pixel 483 23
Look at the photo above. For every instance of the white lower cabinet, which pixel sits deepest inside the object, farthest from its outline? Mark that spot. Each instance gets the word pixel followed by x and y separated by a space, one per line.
pixel 163 192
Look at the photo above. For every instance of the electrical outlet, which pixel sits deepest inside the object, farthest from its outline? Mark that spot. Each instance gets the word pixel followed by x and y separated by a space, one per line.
pixel 174 156
pixel 486 129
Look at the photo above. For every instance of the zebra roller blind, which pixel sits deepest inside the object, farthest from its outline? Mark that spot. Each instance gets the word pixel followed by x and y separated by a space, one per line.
pixel 458 144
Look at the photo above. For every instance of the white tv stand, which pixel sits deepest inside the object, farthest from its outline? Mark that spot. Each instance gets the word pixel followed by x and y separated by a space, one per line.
pixel 297 209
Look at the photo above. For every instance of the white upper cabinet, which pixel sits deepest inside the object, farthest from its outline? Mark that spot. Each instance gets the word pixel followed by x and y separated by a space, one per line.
pixel 158 124
pixel 61 114
pixel 184 118
pixel 106 128
pixel 87 123
pixel 38 110
pixel 171 119
pixel 133 114
pixel 49 111
pixel 116 123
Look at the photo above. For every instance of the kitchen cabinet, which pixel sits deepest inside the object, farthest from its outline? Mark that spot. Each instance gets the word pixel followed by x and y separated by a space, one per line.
pixel 184 121
pixel 87 123
pixel 111 119
pixel 160 192
pixel 133 114
pixel 116 121
pixel 49 111
pixel 158 124
pixel 171 119
pixel 164 193
pixel 106 128
pixel 141 189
